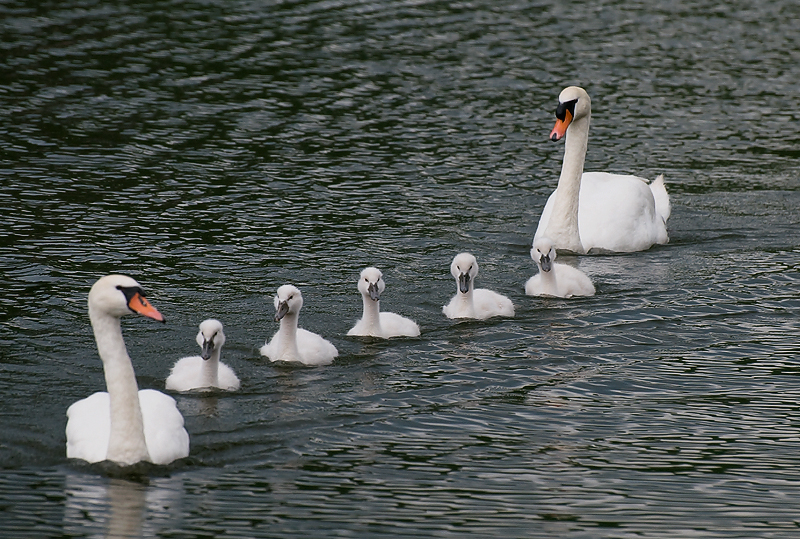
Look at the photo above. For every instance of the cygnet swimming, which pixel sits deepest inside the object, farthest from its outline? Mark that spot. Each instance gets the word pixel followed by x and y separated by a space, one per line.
pixel 291 343
pixel 559 280
pixel 375 323
pixel 205 371
pixel 471 302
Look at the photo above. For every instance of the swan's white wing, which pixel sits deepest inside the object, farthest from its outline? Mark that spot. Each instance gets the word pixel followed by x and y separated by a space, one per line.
pixel 544 219
pixel 458 308
pixel 394 325
pixel 89 427
pixel 314 350
pixel 270 349
pixel 185 374
pixel 227 378
pixel 572 281
pixel 534 286
pixel 489 303
pixel 360 329
pixel 166 438
pixel 617 213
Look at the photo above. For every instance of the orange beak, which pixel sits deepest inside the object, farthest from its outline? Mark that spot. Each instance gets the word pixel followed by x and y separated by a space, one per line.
pixel 560 129
pixel 139 304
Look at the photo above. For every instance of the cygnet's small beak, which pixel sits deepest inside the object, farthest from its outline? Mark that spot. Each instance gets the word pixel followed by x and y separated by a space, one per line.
pixel 463 282
pixel 545 263
pixel 208 346
pixel 283 308
pixel 374 293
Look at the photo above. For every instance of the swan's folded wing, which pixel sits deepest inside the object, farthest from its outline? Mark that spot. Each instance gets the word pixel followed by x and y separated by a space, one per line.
pixel 314 349
pixel 88 428
pixel 227 378
pixel 395 325
pixel 166 438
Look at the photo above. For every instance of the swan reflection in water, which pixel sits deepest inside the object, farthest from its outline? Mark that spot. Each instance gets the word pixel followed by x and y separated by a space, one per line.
pixel 112 507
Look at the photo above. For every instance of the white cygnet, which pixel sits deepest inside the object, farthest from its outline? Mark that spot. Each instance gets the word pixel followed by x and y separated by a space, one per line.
pixel 471 302
pixel 375 323
pixel 205 371
pixel 291 343
pixel 559 280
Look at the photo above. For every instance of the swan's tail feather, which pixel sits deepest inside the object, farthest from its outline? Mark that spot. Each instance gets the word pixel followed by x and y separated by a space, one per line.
pixel 661 197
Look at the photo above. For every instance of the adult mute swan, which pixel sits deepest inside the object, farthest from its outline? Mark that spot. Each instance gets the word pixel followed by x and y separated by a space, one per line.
pixel 554 279
pixel 471 302
pixel 291 343
pixel 375 323
pixel 123 425
pixel 597 210
pixel 205 371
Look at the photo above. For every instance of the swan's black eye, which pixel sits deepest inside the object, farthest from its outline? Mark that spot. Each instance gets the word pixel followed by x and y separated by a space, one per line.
pixel 561 110
pixel 131 291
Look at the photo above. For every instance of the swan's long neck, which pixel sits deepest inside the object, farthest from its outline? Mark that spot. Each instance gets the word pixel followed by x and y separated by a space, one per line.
pixel 210 370
pixel 548 280
pixel 563 225
pixel 287 340
pixel 126 443
pixel 372 315
pixel 465 302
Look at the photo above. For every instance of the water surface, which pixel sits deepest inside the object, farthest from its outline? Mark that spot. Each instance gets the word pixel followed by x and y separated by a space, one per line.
pixel 217 151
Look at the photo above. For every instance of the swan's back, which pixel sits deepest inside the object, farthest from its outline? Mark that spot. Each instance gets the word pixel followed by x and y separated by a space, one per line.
pixel 89 427
pixel 167 439
pixel 567 282
pixel 394 325
pixel 187 374
pixel 617 212
pixel 489 303
pixel 314 350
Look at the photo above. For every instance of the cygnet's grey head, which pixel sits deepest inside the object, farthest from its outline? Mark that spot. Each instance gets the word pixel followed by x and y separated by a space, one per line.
pixel 371 283
pixel 210 337
pixel 544 253
pixel 464 268
pixel 287 300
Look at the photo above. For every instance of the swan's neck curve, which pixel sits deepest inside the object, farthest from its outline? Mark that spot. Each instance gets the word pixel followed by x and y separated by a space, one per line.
pixel 562 227
pixel 548 280
pixel 372 315
pixel 126 442
pixel 465 302
pixel 287 338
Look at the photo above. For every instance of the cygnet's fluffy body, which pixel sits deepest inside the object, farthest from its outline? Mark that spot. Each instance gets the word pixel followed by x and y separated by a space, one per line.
pixel 471 302
pixel 291 343
pixel 559 280
pixel 375 323
pixel 205 371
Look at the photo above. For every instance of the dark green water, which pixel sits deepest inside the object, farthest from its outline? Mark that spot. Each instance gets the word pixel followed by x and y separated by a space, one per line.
pixel 215 151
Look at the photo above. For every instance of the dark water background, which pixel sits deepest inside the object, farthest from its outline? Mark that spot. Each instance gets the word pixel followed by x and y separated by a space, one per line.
pixel 216 150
